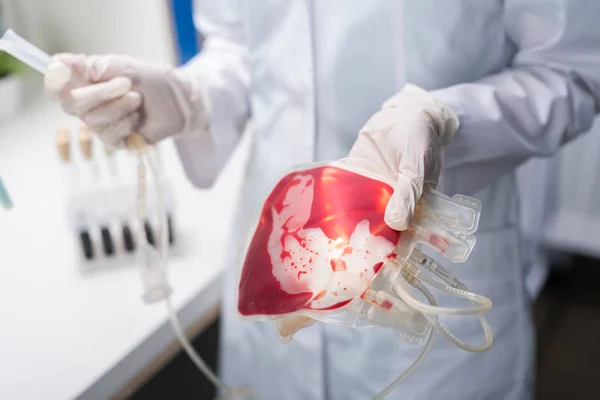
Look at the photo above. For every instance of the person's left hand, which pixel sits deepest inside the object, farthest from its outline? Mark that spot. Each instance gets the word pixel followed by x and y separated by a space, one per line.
pixel 403 141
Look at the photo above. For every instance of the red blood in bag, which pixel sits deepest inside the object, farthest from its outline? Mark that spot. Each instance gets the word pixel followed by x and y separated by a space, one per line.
pixel 321 294
pixel 336 306
pixel 338 265
pixel 307 222
pixel 439 242
pixel 377 267
pixel 386 305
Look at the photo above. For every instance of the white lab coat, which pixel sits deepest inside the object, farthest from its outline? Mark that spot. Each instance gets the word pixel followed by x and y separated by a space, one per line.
pixel 523 77
pixel 572 219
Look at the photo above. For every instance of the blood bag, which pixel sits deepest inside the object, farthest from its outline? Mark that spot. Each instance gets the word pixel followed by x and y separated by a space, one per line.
pixel 321 251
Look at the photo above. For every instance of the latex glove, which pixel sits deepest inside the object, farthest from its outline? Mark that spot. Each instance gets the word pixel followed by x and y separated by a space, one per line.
pixel 403 141
pixel 115 95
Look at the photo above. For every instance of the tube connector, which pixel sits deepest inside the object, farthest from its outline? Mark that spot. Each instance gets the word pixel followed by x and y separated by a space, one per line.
pixel 154 277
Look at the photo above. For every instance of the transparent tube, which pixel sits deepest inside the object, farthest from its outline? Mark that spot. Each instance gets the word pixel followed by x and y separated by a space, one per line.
pixel 415 364
pixel 405 293
pixel 24 51
pixel 433 320
pixel 164 250
pixel 487 332
pixel 422 261
pixel 162 224
pixel 436 326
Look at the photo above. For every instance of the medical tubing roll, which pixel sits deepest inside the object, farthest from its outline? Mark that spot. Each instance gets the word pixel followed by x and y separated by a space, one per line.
pixel 487 331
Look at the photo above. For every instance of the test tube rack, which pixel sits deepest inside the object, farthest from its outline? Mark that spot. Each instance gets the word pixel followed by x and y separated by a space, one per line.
pixel 101 190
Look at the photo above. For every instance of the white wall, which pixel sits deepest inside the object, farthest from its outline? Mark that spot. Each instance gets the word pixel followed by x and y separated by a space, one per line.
pixel 141 28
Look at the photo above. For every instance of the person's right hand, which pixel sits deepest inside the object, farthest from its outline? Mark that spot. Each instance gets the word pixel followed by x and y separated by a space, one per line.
pixel 404 142
pixel 115 95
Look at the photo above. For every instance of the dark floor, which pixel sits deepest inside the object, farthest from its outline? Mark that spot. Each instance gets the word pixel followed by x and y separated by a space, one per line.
pixel 567 317
pixel 180 379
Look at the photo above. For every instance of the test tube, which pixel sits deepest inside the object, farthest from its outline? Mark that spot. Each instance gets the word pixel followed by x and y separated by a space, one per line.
pixel 86 147
pixel 24 51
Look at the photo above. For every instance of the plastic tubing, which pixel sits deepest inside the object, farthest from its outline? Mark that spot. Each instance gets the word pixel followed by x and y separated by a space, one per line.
pixel 473 348
pixel 487 330
pixel 454 291
pixel 430 265
pixel 401 287
pixel 164 249
pixel 414 365
pixel 489 339
pixel 433 320
pixel 177 328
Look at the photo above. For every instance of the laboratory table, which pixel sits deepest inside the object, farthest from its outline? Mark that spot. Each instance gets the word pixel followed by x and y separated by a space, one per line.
pixel 66 333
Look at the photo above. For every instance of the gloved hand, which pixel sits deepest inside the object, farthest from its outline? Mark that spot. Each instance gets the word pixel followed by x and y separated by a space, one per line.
pixel 115 95
pixel 403 142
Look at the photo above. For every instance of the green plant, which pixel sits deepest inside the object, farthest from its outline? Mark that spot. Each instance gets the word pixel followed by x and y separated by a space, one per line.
pixel 8 65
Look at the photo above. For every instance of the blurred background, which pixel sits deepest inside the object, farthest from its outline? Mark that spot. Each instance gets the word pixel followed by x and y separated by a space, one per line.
pixel 75 328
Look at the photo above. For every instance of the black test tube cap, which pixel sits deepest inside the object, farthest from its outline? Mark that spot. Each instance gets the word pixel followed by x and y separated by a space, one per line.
pixel 128 239
pixel 170 226
pixel 86 244
pixel 149 233
pixel 107 242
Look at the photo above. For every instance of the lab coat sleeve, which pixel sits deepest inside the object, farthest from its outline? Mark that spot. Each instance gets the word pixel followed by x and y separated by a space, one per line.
pixel 546 97
pixel 220 77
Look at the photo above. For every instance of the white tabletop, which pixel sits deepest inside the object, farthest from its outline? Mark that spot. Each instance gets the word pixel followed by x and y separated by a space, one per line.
pixel 64 334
